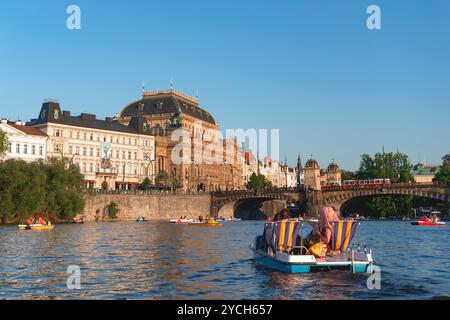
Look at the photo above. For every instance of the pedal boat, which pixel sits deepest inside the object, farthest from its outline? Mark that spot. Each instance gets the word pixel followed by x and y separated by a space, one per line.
pixel 299 260
pixel 425 222
pixel 181 221
pixel 38 227
pixel 208 223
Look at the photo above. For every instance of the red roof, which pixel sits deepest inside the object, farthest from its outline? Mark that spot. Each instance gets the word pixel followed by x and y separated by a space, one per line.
pixel 28 130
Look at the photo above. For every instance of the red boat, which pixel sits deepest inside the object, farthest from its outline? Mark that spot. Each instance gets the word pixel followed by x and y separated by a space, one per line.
pixel 427 222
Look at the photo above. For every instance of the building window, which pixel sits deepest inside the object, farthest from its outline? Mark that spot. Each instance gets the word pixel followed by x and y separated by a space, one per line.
pixel 41 150
pixel 123 155
pixel 91 152
pixel 85 136
pixel 129 155
pixel 91 137
pixel 71 134
pixel 70 149
pixel 77 150
pixel 135 156
pixel 78 135
pixel 33 149
pixel 10 147
pixel 84 153
pixel 98 152
pixel 91 167
pixel 25 149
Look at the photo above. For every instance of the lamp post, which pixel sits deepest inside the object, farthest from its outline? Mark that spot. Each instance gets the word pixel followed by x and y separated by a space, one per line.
pixel 61 152
pixel 71 160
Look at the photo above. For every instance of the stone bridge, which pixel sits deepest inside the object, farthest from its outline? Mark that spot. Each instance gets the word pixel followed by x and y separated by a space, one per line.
pixel 340 196
pixel 226 203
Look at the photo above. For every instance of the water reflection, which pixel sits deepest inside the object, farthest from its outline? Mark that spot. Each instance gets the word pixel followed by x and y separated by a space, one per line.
pixel 163 261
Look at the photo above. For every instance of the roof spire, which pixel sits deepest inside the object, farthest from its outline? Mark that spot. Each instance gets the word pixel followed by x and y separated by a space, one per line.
pixel 143 87
pixel 171 83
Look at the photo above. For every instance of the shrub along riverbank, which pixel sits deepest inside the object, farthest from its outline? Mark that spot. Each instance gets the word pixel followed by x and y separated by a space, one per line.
pixel 53 189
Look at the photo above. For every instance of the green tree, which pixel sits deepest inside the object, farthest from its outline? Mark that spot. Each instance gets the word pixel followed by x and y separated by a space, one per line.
pixel 3 142
pixel 393 166
pixel 162 179
pixel 347 175
pixel 443 176
pixel 64 189
pixel 22 190
pixel 112 209
pixel 446 160
pixel 258 182
pixel 51 189
pixel 145 184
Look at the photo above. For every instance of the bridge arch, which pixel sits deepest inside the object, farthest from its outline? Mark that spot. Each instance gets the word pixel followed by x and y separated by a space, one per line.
pixel 225 204
pixel 338 198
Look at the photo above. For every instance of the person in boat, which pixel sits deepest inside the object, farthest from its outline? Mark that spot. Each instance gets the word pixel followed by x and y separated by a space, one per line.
pixel 41 221
pixel 327 217
pixel 200 218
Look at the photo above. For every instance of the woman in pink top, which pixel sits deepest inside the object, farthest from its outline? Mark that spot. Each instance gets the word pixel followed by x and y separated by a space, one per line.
pixel 327 216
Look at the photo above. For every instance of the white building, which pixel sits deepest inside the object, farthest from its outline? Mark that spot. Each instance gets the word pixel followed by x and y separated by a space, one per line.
pixel 110 155
pixel 25 143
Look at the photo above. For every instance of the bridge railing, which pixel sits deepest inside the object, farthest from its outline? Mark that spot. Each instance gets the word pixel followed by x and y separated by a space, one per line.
pixel 411 185
pixel 255 192
pixel 146 192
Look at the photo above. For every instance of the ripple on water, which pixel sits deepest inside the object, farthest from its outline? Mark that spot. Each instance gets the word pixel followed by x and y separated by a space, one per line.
pixel 163 261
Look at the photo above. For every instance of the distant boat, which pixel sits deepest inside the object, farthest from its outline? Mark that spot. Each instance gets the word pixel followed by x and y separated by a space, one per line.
pixel 234 219
pixel 427 222
pixel 38 227
pixel 140 219
pixel 181 221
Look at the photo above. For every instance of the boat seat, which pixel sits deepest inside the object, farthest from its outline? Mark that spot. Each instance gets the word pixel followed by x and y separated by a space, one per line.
pixel 343 233
pixel 285 235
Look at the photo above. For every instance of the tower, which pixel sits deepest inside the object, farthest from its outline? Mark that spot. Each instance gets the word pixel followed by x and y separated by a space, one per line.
pixel 299 172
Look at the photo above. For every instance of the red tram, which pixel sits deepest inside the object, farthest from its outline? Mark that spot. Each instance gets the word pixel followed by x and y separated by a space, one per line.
pixel 351 184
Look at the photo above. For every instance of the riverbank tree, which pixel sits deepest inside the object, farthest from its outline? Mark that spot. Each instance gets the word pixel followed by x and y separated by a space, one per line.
pixel 393 166
pixel 53 189
pixel 258 182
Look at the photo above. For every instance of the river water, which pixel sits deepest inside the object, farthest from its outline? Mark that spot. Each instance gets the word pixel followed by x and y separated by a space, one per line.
pixel 157 260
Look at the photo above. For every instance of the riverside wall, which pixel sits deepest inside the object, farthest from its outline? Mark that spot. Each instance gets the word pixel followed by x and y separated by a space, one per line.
pixel 152 207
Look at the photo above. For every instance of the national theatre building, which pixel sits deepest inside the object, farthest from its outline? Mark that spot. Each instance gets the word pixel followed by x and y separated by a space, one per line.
pixel 120 152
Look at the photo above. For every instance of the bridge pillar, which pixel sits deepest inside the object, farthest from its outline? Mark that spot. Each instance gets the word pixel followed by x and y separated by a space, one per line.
pixel 314 202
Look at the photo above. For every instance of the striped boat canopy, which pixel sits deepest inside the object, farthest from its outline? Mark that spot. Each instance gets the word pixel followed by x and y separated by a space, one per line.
pixel 343 233
pixel 285 235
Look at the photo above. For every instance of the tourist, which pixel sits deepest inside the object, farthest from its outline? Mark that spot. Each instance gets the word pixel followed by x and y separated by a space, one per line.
pixel 327 217
pixel 284 215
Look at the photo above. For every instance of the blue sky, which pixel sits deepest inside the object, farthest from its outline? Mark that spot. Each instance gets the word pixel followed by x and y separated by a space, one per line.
pixel 310 68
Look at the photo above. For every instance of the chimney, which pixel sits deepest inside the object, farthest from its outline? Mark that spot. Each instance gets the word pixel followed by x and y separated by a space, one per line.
pixel 108 119
pixel 66 114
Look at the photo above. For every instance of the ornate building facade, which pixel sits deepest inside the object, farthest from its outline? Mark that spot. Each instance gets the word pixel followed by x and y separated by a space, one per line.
pixel 169 112
pixel 316 178
pixel 110 155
